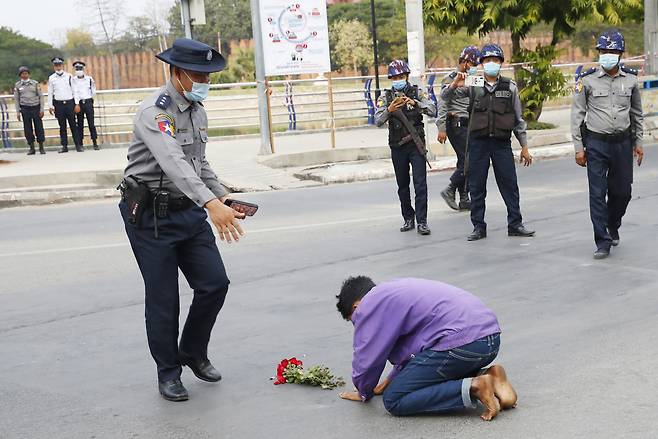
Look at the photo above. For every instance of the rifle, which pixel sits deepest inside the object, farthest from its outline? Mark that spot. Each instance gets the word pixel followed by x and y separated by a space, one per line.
pixel 420 144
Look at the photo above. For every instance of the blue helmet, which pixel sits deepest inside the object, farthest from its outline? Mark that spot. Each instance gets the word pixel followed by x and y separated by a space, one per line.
pixel 398 67
pixel 611 40
pixel 491 49
pixel 470 54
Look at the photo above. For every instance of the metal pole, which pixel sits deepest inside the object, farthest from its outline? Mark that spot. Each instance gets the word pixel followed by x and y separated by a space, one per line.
pixel 268 93
pixel 261 89
pixel 415 40
pixel 651 36
pixel 185 16
pixel 375 50
pixel 332 118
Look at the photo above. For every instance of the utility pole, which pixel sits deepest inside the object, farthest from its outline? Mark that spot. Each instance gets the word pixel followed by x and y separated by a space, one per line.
pixel 415 40
pixel 374 48
pixel 185 17
pixel 651 36
pixel 261 88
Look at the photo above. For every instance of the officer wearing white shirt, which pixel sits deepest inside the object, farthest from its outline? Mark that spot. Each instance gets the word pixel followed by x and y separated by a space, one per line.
pixel 84 90
pixel 61 103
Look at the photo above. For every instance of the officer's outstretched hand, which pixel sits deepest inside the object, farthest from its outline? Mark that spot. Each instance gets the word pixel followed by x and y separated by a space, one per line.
pixel 638 151
pixel 459 80
pixel 581 158
pixel 225 220
pixel 525 157
pixel 442 137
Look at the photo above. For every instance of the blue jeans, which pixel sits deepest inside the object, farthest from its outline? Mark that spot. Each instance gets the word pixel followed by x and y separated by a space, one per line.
pixel 436 381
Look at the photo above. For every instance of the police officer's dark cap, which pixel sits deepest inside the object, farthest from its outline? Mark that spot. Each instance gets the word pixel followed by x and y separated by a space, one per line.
pixel 22 69
pixel 57 60
pixel 79 65
pixel 194 56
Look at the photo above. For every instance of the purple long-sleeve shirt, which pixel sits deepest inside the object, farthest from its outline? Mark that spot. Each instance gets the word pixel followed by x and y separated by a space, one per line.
pixel 402 317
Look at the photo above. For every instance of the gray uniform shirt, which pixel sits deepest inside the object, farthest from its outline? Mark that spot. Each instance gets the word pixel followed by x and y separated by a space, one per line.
pixel 520 126
pixel 457 105
pixel 173 140
pixel 608 104
pixel 28 93
pixel 381 113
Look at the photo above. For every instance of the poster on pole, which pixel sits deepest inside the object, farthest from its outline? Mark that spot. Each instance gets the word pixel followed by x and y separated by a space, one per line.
pixel 295 36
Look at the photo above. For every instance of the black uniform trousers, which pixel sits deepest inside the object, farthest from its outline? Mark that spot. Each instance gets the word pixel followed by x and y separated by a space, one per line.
pixel 457 132
pixel 186 241
pixel 65 112
pixel 610 173
pixel 402 157
pixel 481 152
pixel 32 124
pixel 86 110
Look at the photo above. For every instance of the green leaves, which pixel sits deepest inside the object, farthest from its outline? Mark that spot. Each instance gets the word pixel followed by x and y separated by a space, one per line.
pixel 317 376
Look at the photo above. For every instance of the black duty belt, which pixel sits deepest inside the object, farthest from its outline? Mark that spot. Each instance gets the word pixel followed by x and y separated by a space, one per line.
pixel 55 101
pixel 175 204
pixel 456 121
pixel 84 101
pixel 609 138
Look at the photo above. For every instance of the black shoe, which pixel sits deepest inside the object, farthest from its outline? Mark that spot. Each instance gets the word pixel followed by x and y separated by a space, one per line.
pixel 448 195
pixel 80 148
pixel 173 390
pixel 614 234
pixel 423 229
pixel 464 201
pixel 31 151
pixel 408 225
pixel 601 253
pixel 96 147
pixel 41 150
pixel 477 234
pixel 63 150
pixel 520 231
pixel 203 369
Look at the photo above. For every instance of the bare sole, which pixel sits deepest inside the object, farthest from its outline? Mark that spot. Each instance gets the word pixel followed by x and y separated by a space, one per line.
pixel 502 387
pixel 482 388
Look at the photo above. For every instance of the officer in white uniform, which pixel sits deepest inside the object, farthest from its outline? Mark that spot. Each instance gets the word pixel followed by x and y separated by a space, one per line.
pixel 84 91
pixel 61 103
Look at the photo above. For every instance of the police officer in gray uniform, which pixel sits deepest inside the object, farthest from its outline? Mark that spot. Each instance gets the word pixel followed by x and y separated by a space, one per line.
pixel 167 189
pixel 606 127
pixel 452 122
pixel 29 106
pixel 405 100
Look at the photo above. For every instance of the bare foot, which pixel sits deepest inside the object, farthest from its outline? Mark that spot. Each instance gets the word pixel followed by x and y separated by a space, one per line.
pixel 502 388
pixel 482 388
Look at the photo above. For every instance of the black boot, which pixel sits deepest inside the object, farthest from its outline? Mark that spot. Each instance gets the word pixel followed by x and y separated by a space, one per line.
pixel 79 148
pixel 423 229
pixel 464 200
pixel 31 151
pixel 173 390
pixel 63 150
pixel 448 195
pixel 408 225
pixel 41 149
pixel 96 147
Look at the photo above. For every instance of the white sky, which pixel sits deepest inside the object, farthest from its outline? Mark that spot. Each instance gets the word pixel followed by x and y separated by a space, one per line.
pixel 47 20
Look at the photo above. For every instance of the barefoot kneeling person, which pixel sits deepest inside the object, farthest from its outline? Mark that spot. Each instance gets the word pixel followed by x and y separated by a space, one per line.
pixel 438 338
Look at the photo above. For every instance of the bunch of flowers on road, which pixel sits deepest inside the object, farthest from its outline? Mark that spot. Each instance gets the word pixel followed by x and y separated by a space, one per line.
pixel 291 370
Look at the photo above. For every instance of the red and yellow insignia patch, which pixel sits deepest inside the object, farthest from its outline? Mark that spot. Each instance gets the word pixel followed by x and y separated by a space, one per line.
pixel 166 124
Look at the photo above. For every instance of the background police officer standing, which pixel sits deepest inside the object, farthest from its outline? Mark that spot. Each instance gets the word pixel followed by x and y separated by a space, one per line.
pixel 61 103
pixel 84 91
pixel 608 99
pixel 29 106
pixel 167 159
pixel 496 113
pixel 404 151
pixel 452 121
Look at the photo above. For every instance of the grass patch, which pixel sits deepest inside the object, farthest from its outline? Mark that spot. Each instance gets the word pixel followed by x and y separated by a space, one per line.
pixel 535 125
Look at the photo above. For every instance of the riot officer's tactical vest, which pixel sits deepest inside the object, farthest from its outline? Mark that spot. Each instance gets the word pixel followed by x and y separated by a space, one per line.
pixel 493 112
pixel 397 131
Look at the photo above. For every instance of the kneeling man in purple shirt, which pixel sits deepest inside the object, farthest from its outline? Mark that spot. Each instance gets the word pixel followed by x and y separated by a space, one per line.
pixel 439 339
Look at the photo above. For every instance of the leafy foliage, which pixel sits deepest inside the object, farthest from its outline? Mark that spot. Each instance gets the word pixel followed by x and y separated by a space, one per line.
pixel 17 50
pixel 292 371
pixel 241 67
pixel 541 80
pixel 351 44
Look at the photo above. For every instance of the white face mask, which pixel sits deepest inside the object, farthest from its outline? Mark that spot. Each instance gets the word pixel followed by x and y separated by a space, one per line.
pixel 59 72
pixel 79 73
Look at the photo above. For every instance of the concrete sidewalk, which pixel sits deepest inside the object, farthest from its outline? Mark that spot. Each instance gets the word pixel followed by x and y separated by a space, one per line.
pixel 300 160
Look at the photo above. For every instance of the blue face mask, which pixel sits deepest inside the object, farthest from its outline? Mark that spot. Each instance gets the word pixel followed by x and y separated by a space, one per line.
pixel 400 84
pixel 472 70
pixel 199 90
pixel 608 60
pixel 491 68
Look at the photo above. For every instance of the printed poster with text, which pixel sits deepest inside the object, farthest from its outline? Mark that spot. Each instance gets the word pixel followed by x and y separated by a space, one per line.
pixel 295 37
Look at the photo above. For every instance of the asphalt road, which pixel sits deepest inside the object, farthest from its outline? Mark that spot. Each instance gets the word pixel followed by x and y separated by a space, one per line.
pixel 579 336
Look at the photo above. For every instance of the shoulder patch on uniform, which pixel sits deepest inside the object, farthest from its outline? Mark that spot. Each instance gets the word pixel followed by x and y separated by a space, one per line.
pixel 579 87
pixel 630 70
pixel 166 124
pixel 163 101
pixel 422 95
pixel 586 72
pixel 381 101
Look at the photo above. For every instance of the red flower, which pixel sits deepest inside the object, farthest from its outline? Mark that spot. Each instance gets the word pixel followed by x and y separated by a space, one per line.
pixel 283 365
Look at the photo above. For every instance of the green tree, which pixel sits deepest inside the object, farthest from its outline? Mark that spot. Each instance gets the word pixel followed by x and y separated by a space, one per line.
pixel 17 50
pixel 79 43
pixel 351 44
pixel 231 18
pixel 241 67
pixel 520 16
